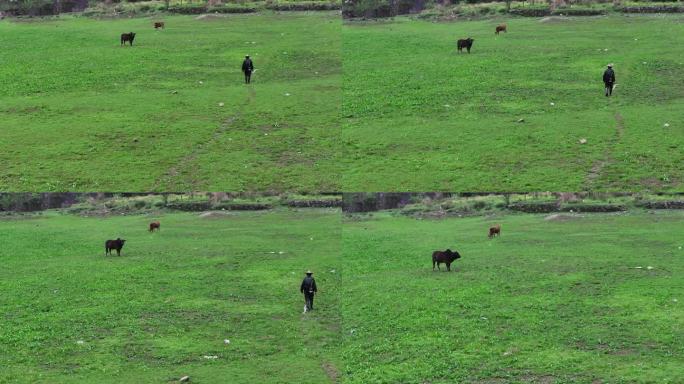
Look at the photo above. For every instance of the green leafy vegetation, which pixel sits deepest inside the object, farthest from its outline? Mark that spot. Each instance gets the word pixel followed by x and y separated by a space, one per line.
pixel 525 111
pixel 165 308
pixel 172 113
pixel 562 298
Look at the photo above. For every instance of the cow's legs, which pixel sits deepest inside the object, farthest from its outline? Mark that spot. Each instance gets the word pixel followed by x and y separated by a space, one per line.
pixel 448 267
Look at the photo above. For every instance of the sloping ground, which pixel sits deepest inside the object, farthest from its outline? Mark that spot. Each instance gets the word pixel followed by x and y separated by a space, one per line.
pixel 172 113
pixel 165 308
pixel 511 115
pixel 592 299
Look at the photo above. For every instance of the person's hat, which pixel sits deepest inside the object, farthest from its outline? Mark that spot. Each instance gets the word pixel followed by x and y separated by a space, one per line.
pixel 246 55
pixel 309 272
pixel 610 65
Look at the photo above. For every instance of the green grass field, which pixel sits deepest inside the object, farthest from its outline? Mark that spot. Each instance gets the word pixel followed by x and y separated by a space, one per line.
pixel 80 113
pixel 550 301
pixel 70 314
pixel 418 116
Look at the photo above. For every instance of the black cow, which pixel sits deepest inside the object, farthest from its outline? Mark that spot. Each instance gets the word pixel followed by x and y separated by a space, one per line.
pixel 447 257
pixel 465 43
pixel 114 244
pixel 127 37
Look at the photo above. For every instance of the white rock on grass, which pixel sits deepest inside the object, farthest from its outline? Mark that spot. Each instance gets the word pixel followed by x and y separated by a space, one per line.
pixel 582 141
pixel 666 125
pixel 184 379
pixel 210 357
pixel 226 341
pixel 221 104
pixel 287 94
pixel 80 342
pixel 552 103
pixel 649 267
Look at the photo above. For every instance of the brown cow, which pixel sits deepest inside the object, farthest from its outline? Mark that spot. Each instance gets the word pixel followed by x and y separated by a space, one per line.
pixel 158 24
pixel 155 225
pixel 495 231
pixel 127 37
pixel 447 257
pixel 500 28
pixel 114 244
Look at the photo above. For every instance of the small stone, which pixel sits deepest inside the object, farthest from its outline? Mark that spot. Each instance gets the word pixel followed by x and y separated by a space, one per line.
pixel 552 103
pixel 649 267
pixel 184 379
pixel 666 125
pixel 521 120
pixel 80 342
pixel 287 94
pixel 221 104
pixel 174 92
pixel 582 141
pixel 226 341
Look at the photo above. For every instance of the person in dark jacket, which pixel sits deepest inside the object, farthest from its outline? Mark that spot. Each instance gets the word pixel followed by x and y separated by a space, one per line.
pixel 247 68
pixel 308 288
pixel 609 80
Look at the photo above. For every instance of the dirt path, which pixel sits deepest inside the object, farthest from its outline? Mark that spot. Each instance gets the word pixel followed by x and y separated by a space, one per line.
pixel 598 166
pixel 183 176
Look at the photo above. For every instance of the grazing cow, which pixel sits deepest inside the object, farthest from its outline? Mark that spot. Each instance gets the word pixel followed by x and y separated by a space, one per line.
pixel 465 43
pixel 158 24
pixel 155 225
pixel 500 28
pixel 114 244
pixel 495 231
pixel 447 257
pixel 127 37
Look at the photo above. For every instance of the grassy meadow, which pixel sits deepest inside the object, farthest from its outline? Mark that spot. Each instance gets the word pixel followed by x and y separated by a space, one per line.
pixel 419 116
pixel 164 308
pixel 590 298
pixel 80 113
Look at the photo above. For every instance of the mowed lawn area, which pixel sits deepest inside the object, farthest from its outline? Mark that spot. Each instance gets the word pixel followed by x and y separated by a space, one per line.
pixel 81 113
pixel 510 116
pixel 163 309
pixel 590 299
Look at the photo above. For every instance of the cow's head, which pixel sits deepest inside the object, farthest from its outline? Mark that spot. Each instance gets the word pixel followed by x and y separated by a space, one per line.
pixel 455 255
pixel 132 34
pixel 122 241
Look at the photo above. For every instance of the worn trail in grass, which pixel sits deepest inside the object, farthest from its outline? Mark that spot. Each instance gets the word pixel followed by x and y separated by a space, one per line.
pixel 70 314
pixel 595 298
pixel 79 112
pixel 419 116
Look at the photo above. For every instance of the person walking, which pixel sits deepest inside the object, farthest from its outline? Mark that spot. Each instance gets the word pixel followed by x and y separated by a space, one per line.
pixel 308 288
pixel 247 69
pixel 609 80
